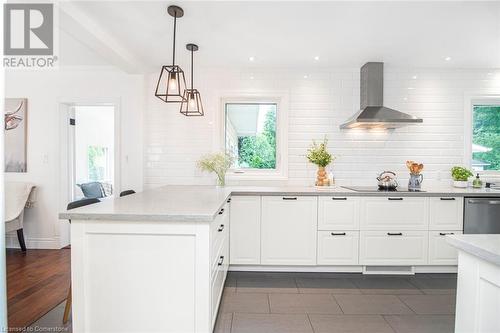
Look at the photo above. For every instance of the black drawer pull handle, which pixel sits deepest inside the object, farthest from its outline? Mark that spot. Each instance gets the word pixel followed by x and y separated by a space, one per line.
pixel 221 211
pixel 394 234
pixel 338 233
pixel 447 199
pixel 339 198
pixel 228 200
pixel 221 228
pixel 398 199
pixel 446 233
pixel 221 260
pixel 289 198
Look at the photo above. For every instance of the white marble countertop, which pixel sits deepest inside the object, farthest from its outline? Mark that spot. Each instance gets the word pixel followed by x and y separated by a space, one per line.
pixel 167 203
pixel 486 247
pixel 202 203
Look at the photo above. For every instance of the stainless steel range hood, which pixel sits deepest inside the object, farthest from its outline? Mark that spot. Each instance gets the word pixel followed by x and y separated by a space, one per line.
pixel 373 114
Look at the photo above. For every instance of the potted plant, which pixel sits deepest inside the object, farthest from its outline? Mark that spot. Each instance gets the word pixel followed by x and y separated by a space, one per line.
pixel 217 163
pixel 460 176
pixel 319 155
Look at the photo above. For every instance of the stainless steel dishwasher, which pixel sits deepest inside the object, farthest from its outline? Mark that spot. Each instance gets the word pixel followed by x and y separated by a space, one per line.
pixel 482 216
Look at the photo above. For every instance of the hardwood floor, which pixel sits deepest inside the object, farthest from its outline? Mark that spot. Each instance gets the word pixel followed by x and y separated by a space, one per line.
pixel 37 281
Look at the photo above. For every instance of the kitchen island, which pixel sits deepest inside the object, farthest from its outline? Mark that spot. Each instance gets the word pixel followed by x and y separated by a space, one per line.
pixel 157 260
pixel 478 286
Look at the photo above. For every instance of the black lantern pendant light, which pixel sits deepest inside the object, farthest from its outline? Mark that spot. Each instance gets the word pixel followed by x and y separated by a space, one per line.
pixel 172 83
pixel 191 104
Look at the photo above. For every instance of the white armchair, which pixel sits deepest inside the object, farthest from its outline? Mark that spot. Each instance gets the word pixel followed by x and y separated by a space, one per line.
pixel 18 195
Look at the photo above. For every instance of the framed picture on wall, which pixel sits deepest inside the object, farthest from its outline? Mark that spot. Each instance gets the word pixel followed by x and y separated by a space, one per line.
pixel 15 115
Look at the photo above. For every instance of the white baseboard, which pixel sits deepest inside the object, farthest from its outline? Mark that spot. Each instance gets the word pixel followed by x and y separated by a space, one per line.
pixel 339 269
pixel 11 242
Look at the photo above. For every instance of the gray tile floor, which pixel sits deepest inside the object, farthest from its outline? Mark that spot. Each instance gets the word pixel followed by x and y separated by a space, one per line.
pixel 326 303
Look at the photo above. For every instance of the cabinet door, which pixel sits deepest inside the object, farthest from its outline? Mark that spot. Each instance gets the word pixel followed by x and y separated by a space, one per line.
pixel 394 213
pixel 393 248
pixel 338 247
pixel 446 213
pixel 245 230
pixel 440 252
pixel 338 213
pixel 289 227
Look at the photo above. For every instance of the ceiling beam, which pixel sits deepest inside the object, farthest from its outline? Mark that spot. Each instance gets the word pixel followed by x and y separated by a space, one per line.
pixel 74 21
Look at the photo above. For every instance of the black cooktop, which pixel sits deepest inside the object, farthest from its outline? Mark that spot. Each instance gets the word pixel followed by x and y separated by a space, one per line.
pixel 376 189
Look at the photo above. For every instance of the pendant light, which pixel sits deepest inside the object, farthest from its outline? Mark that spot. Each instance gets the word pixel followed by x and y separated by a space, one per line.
pixel 172 82
pixel 191 104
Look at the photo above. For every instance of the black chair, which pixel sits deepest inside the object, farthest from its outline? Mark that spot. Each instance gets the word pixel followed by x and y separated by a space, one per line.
pixel 127 192
pixel 73 205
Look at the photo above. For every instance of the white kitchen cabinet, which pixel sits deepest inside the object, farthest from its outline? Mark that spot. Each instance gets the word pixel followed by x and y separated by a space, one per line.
pixel 440 252
pixel 446 213
pixel 338 247
pixel 389 213
pixel 245 230
pixel 396 247
pixel 288 230
pixel 338 213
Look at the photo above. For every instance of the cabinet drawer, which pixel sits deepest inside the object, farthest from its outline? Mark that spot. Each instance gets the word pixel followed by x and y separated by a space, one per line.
pixel 446 213
pixel 338 213
pixel 440 252
pixel 289 230
pixel 218 279
pixel 245 230
pixel 393 247
pixel 394 213
pixel 338 247
pixel 219 230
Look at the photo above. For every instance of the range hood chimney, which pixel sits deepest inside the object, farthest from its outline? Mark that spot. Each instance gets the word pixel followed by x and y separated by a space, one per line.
pixel 373 113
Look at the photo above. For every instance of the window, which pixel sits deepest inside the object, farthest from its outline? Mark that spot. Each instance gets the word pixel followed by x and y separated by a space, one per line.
pixel 254 135
pixel 485 137
pixel 99 163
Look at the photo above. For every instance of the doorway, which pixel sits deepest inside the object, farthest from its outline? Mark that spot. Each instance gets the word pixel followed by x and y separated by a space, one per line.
pixel 89 148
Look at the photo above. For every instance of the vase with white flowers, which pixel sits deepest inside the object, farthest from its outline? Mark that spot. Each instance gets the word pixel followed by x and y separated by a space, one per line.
pixel 318 154
pixel 217 163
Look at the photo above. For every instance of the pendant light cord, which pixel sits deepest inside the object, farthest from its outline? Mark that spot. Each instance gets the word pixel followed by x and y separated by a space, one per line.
pixel 192 75
pixel 175 24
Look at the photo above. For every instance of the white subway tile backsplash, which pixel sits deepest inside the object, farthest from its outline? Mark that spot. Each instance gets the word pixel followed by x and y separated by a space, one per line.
pixel 317 106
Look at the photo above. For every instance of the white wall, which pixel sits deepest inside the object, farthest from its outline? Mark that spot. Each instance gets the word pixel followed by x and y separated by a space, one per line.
pixel 45 90
pixel 318 105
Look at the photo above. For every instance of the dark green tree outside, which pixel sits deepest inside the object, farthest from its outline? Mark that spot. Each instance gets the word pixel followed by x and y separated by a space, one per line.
pixel 486 132
pixel 259 152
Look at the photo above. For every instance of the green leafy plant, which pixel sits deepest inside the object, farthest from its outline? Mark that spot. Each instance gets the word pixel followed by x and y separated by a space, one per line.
pixel 459 173
pixel 217 163
pixel 319 155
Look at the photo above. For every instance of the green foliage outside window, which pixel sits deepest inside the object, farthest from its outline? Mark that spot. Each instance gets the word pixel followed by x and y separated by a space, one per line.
pixel 97 162
pixel 486 132
pixel 259 152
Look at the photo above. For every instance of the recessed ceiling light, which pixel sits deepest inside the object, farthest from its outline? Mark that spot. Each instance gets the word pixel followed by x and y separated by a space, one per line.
pixel 414 77
pixel 411 88
pixel 251 58
pixel 316 58
pixel 405 99
pixel 490 74
pixel 251 77
pixel 447 58
pixel 306 76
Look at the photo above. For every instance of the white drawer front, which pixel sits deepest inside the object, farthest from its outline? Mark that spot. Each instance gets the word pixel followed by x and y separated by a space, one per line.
pixel 289 230
pixel 389 213
pixel 219 230
pixel 245 230
pixel 440 252
pixel 338 247
pixel 338 213
pixel 393 247
pixel 446 213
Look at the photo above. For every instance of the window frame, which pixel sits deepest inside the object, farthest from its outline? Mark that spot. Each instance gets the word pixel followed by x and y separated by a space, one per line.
pixel 281 101
pixel 470 101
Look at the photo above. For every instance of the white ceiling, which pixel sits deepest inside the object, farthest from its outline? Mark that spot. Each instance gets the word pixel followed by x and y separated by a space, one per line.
pixel 291 34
